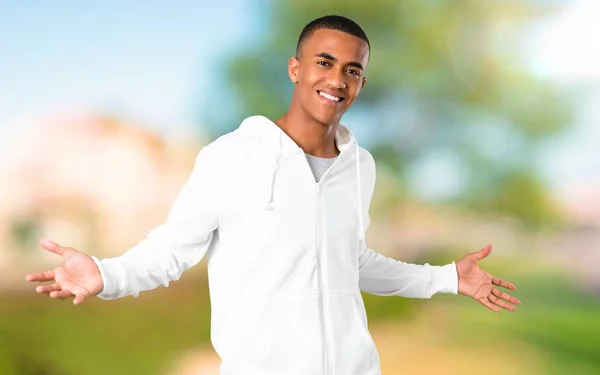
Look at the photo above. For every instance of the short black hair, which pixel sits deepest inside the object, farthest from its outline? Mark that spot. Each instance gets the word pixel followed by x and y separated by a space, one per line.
pixel 331 22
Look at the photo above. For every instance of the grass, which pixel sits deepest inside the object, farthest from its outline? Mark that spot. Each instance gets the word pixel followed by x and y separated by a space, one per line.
pixel 556 319
pixel 126 336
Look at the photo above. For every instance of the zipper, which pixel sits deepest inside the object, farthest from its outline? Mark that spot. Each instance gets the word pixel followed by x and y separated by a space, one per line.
pixel 322 265
pixel 320 275
pixel 324 282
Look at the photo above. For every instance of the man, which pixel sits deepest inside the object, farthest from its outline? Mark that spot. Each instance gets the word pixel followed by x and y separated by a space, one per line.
pixel 280 208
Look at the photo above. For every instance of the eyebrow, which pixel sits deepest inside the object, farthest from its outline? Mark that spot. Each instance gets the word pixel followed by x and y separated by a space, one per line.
pixel 327 56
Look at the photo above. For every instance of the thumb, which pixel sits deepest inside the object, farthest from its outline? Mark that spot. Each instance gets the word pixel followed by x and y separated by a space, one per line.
pixel 53 247
pixel 481 254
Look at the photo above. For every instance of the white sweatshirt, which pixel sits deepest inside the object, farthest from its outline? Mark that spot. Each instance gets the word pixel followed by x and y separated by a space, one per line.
pixel 287 257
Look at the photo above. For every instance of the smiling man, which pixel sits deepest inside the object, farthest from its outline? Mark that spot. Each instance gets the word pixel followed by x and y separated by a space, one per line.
pixel 280 208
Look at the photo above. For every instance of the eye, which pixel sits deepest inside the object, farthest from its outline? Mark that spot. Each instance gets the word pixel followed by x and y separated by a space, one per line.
pixel 353 72
pixel 323 63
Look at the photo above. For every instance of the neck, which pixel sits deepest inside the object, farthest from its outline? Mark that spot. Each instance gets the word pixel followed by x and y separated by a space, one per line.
pixel 315 138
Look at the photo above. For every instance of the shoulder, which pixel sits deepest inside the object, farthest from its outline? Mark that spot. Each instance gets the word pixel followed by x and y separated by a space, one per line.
pixel 366 157
pixel 227 147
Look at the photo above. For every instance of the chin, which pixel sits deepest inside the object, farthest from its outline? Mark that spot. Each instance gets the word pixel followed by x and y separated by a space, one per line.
pixel 327 119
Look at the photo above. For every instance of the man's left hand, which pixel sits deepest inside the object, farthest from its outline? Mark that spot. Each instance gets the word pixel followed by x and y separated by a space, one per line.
pixel 480 285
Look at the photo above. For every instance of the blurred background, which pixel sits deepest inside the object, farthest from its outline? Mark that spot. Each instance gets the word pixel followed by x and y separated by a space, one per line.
pixel 482 117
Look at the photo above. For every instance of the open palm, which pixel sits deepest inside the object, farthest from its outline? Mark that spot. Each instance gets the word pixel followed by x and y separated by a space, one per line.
pixel 77 277
pixel 480 285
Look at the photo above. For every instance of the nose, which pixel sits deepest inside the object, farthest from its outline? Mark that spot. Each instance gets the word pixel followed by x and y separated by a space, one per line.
pixel 336 79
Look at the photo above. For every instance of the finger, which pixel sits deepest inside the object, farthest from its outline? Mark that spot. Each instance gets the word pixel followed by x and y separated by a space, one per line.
pixel 503 283
pixel 41 276
pixel 79 292
pixel 62 294
pixel 505 296
pixel 499 302
pixel 48 288
pixel 481 254
pixel 52 247
pixel 489 305
pixel 78 299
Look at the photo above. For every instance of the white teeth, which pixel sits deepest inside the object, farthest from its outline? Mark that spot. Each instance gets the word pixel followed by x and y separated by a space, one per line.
pixel 330 97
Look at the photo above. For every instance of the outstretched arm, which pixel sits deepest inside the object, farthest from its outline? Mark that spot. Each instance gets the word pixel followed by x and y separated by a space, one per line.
pixel 173 247
pixel 384 276
pixel 161 257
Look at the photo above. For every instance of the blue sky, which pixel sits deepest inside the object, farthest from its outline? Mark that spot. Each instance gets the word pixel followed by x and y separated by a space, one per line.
pixel 155 62
pixel 564 47
pixel 151 61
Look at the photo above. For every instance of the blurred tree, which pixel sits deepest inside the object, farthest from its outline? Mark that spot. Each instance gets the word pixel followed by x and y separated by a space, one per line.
pixel 444 79
pixel 25 231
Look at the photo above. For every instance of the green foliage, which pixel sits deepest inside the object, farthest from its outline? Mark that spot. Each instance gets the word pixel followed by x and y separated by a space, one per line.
pixel 444 77
pixel 40 336
pixel 519 193
pixel 25 231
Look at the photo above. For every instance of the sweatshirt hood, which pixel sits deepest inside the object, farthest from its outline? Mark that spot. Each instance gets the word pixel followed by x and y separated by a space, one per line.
pixel 278 145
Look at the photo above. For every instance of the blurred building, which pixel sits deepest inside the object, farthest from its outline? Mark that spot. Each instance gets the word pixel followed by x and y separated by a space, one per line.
pixel 577 249
pixel 582 204
pixel 90 182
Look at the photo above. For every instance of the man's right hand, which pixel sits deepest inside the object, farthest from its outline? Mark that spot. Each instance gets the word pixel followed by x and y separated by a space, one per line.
pixel 77 277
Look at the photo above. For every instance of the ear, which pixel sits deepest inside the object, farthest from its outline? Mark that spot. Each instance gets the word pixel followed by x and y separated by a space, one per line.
pixel 293 67
pixel 362 84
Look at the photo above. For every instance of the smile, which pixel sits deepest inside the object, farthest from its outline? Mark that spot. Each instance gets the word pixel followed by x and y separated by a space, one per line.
pixel 330 97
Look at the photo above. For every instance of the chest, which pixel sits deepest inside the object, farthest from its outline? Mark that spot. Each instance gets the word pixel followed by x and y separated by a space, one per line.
pixel 303 211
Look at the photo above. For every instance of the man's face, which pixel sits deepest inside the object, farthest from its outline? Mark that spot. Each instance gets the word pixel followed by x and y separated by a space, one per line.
pixel 329 73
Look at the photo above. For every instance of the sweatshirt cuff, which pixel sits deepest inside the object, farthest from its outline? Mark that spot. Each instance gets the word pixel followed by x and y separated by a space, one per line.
pixel 444 279
pixel 113 276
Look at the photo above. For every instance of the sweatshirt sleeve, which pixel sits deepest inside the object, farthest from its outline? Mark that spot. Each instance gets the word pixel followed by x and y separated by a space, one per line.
pixel 385 276
pixel 174 246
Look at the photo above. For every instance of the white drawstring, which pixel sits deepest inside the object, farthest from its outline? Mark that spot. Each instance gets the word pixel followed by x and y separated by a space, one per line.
pixel 274 172
pixel 361 232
